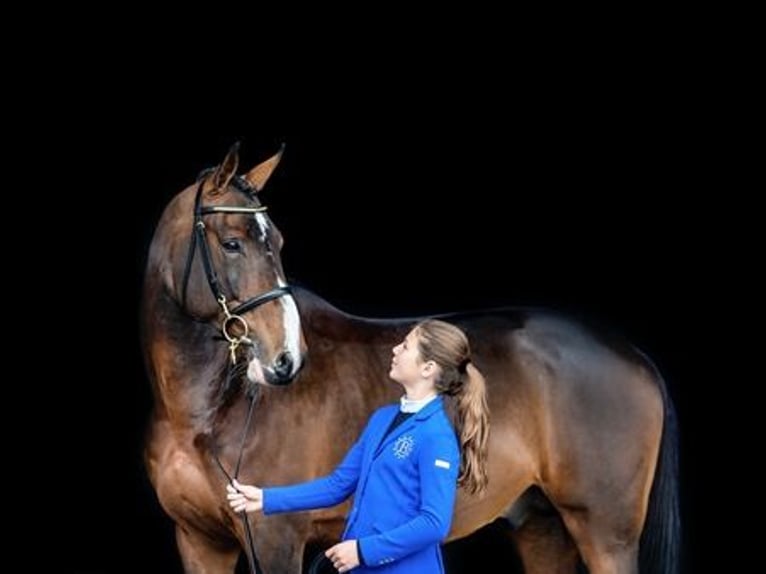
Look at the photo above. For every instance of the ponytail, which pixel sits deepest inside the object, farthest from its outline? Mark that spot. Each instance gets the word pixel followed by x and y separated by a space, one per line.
pixel 471 421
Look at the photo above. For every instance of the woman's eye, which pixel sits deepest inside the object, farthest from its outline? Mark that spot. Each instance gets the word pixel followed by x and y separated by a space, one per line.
pixel 232 245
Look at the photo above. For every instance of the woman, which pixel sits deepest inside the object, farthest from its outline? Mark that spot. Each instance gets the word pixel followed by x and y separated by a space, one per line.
pixel 405 468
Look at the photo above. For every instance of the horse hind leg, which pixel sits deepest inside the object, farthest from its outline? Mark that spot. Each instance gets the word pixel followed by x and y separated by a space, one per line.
pixel 545 547
pixel 201 555
pixel 608 540
pixel 604 507
pixel 540 537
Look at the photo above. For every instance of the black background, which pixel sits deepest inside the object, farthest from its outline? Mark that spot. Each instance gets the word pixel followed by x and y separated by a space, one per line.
pixel 588 219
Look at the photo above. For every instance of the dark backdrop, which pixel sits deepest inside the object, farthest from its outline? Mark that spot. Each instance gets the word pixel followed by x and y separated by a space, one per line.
pixel 389 224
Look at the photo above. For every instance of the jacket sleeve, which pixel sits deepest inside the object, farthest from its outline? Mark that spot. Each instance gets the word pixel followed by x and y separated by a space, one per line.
pixel 325 491
pixel 319 493
pixel 438 464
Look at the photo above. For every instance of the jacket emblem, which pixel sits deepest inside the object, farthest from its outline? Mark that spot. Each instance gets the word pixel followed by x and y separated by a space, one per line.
pixel 403 446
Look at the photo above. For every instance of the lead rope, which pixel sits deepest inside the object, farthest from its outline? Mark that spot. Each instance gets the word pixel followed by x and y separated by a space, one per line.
pixel 250 550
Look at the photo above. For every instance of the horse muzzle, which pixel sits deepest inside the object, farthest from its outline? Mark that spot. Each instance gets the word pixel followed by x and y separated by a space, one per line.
pixel 281 372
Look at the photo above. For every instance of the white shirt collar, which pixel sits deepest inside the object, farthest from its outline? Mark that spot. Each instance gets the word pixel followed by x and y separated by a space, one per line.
pixel 412 406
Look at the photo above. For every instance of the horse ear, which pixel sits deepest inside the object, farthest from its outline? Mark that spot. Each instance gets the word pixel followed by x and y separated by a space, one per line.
pixel 260 174
pixel 218 183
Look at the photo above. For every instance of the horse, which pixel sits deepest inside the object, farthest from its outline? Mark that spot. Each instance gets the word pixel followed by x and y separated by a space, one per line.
pixel 255 377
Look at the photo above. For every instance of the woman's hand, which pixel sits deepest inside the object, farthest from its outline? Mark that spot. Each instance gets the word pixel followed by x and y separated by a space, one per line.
pixel 244 498
pixel 344 556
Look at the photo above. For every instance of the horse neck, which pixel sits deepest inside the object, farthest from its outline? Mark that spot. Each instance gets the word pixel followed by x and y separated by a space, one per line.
pixel 186 363
pixel 357 347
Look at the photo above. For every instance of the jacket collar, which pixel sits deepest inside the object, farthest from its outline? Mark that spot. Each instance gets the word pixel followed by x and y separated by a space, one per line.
pixel 430 409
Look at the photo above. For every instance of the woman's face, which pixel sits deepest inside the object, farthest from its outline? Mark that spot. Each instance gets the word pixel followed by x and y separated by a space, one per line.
pixel 406 363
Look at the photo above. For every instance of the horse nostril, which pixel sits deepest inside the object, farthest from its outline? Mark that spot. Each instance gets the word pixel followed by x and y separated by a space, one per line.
pixel 284 364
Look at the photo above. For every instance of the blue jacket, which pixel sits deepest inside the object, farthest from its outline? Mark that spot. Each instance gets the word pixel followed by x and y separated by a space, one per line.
pixel 404 491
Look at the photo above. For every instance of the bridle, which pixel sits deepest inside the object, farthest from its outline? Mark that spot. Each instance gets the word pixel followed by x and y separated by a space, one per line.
pixel 231 317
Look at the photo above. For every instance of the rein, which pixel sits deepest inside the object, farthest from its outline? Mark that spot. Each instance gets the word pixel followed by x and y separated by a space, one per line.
pixel 320 560
pixel 250 550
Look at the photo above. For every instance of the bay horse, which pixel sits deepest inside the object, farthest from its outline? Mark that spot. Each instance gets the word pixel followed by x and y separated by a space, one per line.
pixel 253 376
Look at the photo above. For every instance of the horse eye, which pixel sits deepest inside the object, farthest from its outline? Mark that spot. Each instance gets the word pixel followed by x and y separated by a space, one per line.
pixel 232 245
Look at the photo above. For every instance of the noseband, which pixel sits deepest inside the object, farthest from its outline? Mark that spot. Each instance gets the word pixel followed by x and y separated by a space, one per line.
pixel 231 316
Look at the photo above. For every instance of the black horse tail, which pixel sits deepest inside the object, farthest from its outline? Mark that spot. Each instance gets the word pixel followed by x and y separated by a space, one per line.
pixel 660 545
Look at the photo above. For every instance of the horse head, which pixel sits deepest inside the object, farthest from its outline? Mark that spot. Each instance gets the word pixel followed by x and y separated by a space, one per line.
pixel 223 268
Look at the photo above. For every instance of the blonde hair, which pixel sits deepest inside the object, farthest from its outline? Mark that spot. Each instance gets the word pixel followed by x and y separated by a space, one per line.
pixel 464 388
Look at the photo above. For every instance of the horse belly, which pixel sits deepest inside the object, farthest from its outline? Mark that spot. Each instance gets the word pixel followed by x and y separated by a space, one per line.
pixel 511 469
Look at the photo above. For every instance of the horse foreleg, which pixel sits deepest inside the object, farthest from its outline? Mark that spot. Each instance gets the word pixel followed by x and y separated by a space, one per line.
pixel 545 546
pixel 280 542
pixel 201 555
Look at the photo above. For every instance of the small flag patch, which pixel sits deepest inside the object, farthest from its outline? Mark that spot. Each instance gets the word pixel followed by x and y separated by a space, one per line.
pixel 441 463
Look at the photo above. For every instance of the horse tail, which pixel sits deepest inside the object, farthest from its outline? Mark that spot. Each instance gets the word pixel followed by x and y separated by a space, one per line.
pixel 660 545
